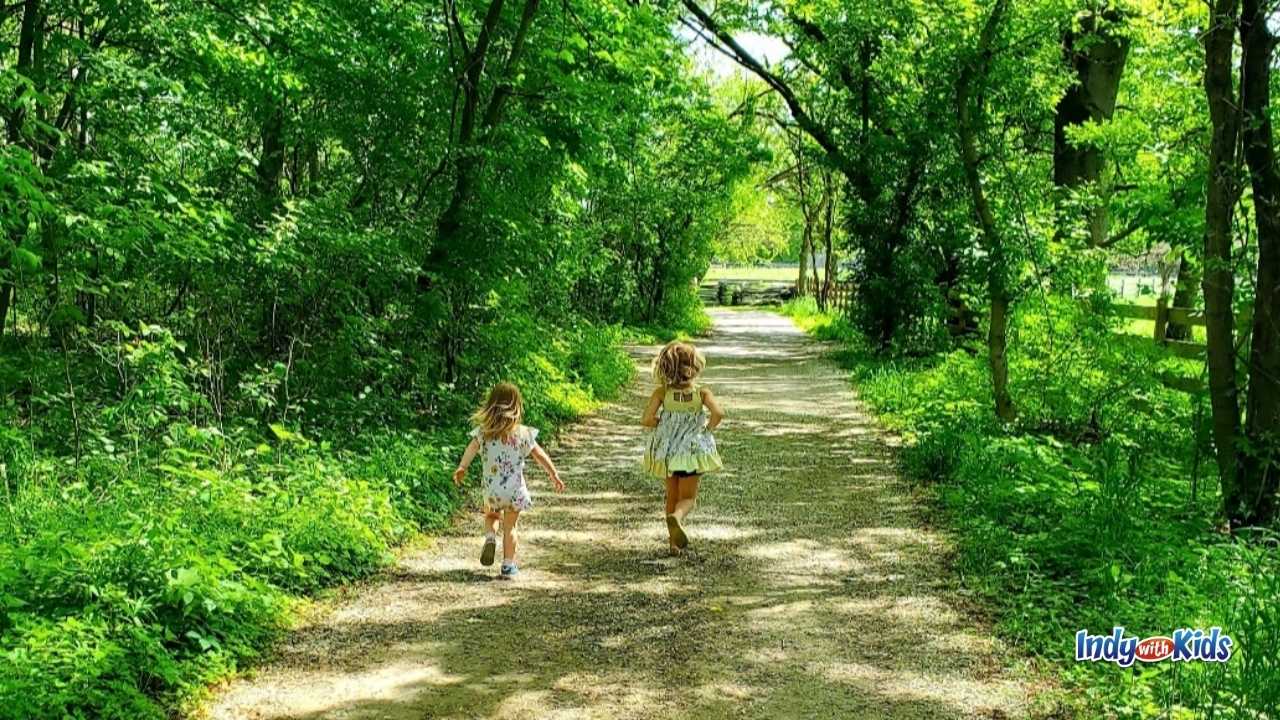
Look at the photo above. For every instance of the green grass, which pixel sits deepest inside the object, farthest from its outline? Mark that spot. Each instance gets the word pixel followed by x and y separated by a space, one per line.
pixel 157 553
pixel 1097 507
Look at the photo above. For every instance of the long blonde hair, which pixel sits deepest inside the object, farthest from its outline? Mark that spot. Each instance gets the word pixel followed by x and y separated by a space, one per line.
pixel 678 364
pixel 501 413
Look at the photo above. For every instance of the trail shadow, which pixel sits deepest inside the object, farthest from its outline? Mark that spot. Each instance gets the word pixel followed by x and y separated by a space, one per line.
pixel 812 589
pixel 652 635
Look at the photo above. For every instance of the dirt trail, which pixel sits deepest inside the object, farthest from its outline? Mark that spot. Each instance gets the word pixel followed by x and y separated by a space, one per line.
pixel 815 590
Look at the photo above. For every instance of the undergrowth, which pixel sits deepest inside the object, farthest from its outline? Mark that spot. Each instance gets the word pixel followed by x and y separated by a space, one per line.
pixel 1097 507
pixel 150 545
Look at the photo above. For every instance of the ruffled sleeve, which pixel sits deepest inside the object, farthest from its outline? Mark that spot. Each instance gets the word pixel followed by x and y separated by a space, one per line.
pixel 530 439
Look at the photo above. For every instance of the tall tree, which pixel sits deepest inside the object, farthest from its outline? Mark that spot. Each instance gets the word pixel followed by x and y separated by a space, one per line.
pixel 28 40
pixel 1096 53
pixel 478 116
pixel 1219 279
pixel 878 141
pixel 973 74
pixel 1254 501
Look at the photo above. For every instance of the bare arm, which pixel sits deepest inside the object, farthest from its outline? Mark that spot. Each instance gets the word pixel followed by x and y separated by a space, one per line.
pixel 540 456
pixel 650 418
pixel 709 400
pixel 468 455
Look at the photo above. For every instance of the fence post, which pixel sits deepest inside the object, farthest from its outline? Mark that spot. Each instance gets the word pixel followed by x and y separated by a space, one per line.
pixel 1162 318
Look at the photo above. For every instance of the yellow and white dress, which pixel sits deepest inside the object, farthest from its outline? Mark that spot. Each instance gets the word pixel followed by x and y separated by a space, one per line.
pixel 681 444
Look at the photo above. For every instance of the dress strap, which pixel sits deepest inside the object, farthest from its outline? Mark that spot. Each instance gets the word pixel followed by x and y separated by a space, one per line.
pixel 683 398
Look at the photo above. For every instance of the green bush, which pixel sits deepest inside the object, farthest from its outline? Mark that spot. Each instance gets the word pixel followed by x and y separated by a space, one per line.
pixel 148 553
pixel 825 326
pixel 598 360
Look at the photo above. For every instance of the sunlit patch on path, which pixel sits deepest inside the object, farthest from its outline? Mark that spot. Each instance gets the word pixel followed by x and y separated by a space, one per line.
pixel 814 590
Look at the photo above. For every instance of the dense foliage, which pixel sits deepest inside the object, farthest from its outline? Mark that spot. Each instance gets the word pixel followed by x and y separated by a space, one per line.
pixel 1096 508
pixel 994 153
pixel 1029 148
pixel 261 258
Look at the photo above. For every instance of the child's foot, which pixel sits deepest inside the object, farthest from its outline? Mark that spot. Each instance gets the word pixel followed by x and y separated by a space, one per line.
pixel 509 570
pixel 486 553
pixel 678 538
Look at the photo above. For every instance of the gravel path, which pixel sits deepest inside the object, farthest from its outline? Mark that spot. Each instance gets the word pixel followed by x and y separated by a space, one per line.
pixel 814 591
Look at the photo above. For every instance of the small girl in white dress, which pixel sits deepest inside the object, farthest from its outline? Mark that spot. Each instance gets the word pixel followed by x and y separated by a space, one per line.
pixel 681 447
pixel 506 444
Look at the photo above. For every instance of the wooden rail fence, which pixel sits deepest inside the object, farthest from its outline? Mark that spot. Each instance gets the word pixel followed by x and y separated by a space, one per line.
pixel 840 298
pixel 731 291
pixel 1162 315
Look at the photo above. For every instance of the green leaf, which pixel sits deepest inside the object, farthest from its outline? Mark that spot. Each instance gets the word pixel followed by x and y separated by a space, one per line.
pixel 26 259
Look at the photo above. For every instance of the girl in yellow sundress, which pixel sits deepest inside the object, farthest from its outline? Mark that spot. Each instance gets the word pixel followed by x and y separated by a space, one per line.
pixel 681 448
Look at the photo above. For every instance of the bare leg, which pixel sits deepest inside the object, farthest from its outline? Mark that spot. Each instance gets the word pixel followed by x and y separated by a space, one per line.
pixel 487 550
pixel 688 494
pixel 509 520
pixel 673 496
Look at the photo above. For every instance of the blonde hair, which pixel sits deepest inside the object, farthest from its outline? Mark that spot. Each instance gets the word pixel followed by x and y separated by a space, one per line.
pixel 678 364
pixel 501 413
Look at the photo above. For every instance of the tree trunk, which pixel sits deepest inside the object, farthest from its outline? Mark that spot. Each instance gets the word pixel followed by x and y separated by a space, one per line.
pixel 1097 57
pixel 1184 296
pixel 26 52
pixel 6 298
pixel 813 253
pixel 1258 463
pixel 817 284
pixel 806 241
pixel 997 288
pixel 17 117
pixel 801 176
pixel 1218 282
pixel 997 352
pixel 473 127
pixel 829 264
pixel 271 161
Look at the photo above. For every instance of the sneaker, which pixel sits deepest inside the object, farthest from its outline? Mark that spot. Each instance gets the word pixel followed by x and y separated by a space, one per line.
pixel 509 570
pixel 677 533
pixel 486 553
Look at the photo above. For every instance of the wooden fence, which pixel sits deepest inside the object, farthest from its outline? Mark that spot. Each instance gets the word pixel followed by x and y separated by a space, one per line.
pixel 840 297
pixel 1161 315
pixel 731 291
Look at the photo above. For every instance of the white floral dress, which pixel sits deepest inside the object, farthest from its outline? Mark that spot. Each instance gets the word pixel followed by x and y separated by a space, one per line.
pixel 681 444
pixel 504 458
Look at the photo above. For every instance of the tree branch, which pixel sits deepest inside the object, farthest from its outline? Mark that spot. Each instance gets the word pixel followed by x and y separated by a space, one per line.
pixel 803 119
pixel 493 113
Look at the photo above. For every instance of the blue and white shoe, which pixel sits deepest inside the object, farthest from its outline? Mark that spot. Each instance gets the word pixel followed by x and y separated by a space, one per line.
pixel 509 570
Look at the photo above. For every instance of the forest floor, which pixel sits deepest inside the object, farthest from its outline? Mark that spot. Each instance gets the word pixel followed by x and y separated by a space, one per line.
pixel 815 588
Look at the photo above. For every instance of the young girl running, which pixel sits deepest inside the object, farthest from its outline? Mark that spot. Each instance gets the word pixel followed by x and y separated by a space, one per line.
pixel 506 444
pixel 681 448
